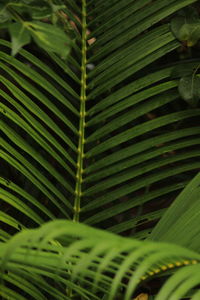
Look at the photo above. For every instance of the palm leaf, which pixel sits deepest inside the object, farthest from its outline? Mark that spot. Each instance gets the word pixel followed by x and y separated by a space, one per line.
pixel 75 149
pixel 182 219
pixel 88 139
pixel 92 263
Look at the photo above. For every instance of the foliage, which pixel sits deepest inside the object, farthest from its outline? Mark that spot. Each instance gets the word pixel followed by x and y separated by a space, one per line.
pixel 92 263
pixel 104 132
pixel 23 20
pixel 186 26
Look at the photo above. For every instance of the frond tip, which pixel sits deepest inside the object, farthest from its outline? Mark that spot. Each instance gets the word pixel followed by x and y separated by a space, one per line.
pixel 92 262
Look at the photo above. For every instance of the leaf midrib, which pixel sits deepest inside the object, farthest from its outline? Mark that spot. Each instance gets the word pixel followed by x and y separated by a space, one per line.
pixel 80 158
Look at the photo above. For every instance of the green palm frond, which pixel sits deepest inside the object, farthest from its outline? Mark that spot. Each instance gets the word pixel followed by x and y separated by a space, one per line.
pixel 71 132
pixel 93 263
pixel 87 139
pixel 180 223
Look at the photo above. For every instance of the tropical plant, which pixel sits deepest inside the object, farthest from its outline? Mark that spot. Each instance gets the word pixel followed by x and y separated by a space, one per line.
pixel 107 137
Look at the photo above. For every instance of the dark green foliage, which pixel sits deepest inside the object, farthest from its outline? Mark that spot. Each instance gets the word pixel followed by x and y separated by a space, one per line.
pixel 99 125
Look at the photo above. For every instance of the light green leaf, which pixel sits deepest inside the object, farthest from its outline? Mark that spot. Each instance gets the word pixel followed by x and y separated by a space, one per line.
pixel 34 9
pixel 4 14
pixel 91 262
pixel 186 28
pixel 50 37
pixel 20 36
pixel 180 222
pixel 190 33
pixel 55 7
pixel 189 89
pixel 176 24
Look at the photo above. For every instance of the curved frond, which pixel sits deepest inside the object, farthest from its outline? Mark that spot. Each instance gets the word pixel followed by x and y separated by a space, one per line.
pixel 180 223
pixel 92 263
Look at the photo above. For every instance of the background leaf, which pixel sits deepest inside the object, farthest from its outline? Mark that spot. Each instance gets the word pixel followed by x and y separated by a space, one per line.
pixel 20 36
pixel 50 38
pixel 4 14
pixel 189 89
pixel 179 223
pixel 190 33
pixel 186 26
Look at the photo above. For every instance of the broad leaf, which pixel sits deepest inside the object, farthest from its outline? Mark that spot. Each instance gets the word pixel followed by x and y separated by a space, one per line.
pixel 186 26
pixel 180 222
pixel 190 33
pixel 189 89
pixel 32 8
pixel 20 36
pixel 50 38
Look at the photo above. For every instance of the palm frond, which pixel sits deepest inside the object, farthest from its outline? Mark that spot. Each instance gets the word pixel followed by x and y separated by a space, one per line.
pixel 181 218
pixel 71 132
pixel 92 263
pixel 90 138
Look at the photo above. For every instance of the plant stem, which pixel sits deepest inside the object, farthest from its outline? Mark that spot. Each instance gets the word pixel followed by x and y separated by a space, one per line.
pixel 79 174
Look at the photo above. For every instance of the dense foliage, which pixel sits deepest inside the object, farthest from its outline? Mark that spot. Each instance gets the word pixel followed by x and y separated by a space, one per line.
pixel 99 149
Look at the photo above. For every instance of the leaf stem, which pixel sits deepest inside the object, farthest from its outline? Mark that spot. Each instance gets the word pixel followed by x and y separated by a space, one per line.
pixel 78 188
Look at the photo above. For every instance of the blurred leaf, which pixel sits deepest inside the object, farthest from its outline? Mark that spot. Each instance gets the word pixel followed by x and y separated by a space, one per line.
pixel 29 1
pixel 4 14
pixel 41 12
pixel 189 89
pixel 50 37
pixel 176 24
pixel 187 27
pixel 190 33
pixel 190 13
pixel 179 223
pixel 184 69
pixel 34 9
pixel 20 36
pixel 55 8
pixel 4 25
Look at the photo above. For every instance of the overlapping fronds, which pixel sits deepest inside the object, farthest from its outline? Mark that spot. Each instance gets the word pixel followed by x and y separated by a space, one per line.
pixel 91 263
pixel 88 139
